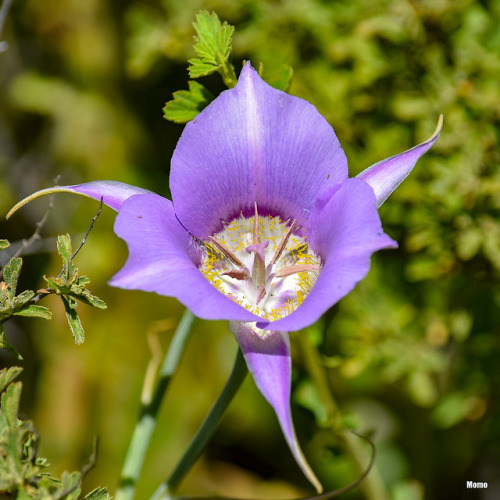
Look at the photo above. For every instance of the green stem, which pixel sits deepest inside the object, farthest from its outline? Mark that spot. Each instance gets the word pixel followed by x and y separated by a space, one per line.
pixel 146 424
pixel 372 486
pixel 206 431
pixel 226 70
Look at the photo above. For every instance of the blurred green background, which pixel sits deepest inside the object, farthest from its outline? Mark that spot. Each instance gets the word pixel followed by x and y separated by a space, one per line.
pixel 413 351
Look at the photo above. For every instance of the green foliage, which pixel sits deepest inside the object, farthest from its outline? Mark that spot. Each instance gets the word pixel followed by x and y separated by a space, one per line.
pixel 213 45
pixel 5 345
pixel 22 473
pixel 12 305
pixel 213 48
pixel 4 244
pixel 186 104
pixel 98 494
pixel 282 80
pixel 70 286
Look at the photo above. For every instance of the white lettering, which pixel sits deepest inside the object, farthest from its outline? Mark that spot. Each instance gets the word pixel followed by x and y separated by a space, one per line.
pixel 472 484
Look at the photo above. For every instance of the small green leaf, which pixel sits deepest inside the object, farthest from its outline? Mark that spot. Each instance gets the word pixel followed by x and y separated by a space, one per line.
pixel 83 280
pixel 34 311
pixel 12 444
pixel 71 482
pixel 64 247
pixel 283 79
pixel 11 275
pixel 91 300
pixel 74 322
pixel 307 396
pixel 4 244
pixel 98 494
pixel 7 375
pixel 5 345
pixel 52 282
pixel 186 104
pixel 23 298
pixel 212 44
pixel 10 403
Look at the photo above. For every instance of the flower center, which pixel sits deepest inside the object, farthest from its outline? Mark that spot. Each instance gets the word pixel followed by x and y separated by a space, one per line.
pixel 261 264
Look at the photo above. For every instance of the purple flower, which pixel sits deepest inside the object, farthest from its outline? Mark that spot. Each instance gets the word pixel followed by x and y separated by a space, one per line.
pixel 265 228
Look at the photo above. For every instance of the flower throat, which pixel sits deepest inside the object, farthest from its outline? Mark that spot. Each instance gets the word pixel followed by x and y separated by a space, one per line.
pixel 261 264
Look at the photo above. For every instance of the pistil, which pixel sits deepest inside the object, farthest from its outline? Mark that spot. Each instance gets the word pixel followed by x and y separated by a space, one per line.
pixel 259 263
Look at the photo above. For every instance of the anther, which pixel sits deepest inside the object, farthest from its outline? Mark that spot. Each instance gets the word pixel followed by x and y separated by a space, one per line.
pixel 241 274
pixel 256 226
pixel 298 268
pixel 262 293
pixel 283 242
pixel 230 255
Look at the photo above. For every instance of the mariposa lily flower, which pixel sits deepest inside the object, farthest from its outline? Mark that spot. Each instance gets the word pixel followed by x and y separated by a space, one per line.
pixel 265 229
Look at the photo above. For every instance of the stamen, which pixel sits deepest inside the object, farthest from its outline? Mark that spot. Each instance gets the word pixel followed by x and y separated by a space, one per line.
pixel 262 293
pixel 230 255
pixel 298 268
pixel 283 243
pixel 241 274
pixel 256 226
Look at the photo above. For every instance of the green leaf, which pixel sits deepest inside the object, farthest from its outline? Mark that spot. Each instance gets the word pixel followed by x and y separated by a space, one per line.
pixel 74 322
pixel 4 244
pixel 11 275
pixel 23 298
pixel 283 79
pixel 34 311
pixel 64 247
pixel 91 300
pixel 10 403
pixel 186 104
pixel 71 482
pixel 7 375
pixel 5 345
pixel 98 494
pixel 11 448
pixel 212 45
pixel 307 396
pixel 83 280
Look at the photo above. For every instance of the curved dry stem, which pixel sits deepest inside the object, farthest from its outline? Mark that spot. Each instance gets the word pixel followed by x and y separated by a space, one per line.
pixel 324 496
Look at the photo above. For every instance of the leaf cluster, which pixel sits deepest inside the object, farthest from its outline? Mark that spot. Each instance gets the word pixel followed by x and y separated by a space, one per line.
pixel 71 287
pixel 23 474
pixel 213 45
pixel 68 285
pixel 16 305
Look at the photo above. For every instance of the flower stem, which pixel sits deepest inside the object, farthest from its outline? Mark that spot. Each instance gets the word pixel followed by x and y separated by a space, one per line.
pixel 226 70
pixel 146 424
pixel 206 431
pixel 372 486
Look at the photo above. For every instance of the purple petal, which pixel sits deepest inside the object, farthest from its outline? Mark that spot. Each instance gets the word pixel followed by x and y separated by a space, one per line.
pixel 386 175
pixel 113 193
pixel 253 144
pixel 161 259
pixel 269 361
pixel 345 231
